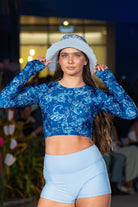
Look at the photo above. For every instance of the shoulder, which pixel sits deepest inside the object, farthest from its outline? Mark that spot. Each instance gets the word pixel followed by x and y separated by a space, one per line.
pixel 45 86
pixel 94 91
pixel 95 94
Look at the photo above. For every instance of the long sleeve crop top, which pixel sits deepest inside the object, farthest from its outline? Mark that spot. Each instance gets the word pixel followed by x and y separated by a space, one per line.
pixel 67 111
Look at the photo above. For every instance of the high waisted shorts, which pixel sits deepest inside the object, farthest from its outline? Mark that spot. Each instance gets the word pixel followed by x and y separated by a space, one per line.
pixel 78 175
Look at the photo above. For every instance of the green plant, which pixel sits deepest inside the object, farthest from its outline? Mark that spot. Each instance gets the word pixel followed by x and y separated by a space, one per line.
pixel 23 177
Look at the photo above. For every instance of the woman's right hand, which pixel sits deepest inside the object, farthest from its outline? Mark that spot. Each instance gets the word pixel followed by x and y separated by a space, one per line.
pixel 43 60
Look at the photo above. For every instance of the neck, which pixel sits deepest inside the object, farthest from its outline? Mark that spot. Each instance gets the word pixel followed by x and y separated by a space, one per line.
pixel 72 82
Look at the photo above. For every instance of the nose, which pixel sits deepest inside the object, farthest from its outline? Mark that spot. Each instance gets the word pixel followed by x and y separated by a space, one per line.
pixel 70 59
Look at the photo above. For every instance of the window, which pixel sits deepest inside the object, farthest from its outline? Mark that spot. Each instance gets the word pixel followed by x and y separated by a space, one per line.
pixel 38 33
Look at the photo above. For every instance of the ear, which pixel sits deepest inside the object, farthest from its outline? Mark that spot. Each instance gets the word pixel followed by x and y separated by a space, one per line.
pixel 86 61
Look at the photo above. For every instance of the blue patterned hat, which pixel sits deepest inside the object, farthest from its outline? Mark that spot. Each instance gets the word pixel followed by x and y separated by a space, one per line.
pixel 73 41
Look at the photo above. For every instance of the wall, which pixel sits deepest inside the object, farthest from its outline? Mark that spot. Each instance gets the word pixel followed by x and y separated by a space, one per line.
pixel 127 51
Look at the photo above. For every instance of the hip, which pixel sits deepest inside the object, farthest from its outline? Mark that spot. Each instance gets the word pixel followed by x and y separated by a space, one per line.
pixel 75 161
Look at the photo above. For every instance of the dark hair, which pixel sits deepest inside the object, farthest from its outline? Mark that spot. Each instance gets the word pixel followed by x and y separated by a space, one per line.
pixel 101 125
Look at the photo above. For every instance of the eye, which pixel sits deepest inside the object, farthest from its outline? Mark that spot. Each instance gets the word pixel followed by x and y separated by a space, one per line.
pixel 77 55
pixel 64 55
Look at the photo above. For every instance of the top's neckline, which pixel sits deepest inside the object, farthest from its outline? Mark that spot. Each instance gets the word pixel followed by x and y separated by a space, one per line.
pixel 81 87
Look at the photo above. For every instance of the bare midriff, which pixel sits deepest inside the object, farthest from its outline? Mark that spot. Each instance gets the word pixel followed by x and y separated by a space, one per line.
pixel 66 144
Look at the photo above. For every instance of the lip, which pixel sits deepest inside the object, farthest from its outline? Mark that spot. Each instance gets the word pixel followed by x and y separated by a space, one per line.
pixel 70 68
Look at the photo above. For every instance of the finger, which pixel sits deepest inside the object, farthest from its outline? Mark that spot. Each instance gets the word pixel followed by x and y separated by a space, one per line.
pixel 94 69
pixel 98 67
pixel 104 66
pixel 48 62
pixel 43 59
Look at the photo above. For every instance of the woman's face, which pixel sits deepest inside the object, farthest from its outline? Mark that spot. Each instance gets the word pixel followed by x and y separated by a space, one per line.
pixel 72 61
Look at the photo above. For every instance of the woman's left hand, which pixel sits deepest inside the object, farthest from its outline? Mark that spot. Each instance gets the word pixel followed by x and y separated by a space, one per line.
pixel 99 67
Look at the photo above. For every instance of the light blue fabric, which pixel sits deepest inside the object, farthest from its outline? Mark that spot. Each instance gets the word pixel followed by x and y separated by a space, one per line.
pixel 73 36
pixel 77 175
pixel 67 111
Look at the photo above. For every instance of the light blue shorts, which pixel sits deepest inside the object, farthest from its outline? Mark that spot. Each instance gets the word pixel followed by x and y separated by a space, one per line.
pixel 77 175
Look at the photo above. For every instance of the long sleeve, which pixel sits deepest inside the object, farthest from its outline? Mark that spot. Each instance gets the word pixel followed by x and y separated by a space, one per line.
pixel 116 101
pixel 14 95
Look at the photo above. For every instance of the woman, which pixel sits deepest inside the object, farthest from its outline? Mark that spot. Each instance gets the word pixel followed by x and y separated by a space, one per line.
pixel 131 158
pixel 133 133
pixel 74 169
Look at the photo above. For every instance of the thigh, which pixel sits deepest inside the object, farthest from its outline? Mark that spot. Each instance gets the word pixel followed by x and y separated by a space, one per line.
pixel 43 202
pixel 96 201
pixel 95 186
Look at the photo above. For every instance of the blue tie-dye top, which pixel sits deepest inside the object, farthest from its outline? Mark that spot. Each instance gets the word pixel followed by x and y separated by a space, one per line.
pixel 67 111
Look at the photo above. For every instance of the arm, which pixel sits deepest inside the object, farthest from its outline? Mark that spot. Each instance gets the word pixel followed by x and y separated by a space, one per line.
pixel 116 101
pixel 14 95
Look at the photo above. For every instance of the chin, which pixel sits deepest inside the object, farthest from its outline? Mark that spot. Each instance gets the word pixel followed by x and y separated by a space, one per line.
pixel 72 73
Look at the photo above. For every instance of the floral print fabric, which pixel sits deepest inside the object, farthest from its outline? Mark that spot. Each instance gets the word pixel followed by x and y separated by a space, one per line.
pixel 67 111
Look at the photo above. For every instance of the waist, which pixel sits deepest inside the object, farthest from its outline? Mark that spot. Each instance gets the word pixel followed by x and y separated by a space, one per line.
pixel 72 162
pixel 66 144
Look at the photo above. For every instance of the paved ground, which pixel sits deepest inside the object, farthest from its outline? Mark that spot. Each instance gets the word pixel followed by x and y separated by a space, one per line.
pixel 117 201
pixel 125 201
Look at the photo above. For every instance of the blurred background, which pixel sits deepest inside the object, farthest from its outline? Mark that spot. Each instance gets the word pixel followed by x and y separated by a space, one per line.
pixel 27 29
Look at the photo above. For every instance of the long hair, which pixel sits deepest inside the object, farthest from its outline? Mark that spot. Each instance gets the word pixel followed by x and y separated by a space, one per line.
pixel 101 125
